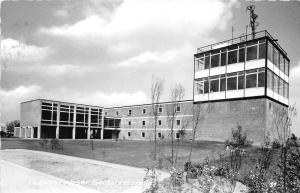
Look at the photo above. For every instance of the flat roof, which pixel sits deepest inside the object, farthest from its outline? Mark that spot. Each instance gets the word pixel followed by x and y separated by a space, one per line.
pixel 126 106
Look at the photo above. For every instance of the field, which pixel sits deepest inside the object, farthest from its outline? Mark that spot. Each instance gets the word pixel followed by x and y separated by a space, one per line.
pixel 131 153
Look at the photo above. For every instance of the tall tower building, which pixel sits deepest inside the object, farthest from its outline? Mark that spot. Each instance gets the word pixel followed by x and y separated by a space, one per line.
pixel 241 80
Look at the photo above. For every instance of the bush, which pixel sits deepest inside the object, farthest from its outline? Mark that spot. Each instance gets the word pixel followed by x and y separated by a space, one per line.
pixel 56 144
pixel 238 139
pixel 276 144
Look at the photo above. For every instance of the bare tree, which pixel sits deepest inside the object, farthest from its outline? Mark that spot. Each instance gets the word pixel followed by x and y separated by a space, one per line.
pixel 198 110
pixel 156 91
pixel 177 94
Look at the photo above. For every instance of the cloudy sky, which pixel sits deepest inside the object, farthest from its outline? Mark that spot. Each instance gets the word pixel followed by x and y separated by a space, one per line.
pixel 105 52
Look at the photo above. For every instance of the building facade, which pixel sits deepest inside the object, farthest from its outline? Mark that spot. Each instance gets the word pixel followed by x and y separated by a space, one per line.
pixel 236 83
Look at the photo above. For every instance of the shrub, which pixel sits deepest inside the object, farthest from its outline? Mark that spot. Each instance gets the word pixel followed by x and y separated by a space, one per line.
pixel 56 144
pixel 276 144
pixel 43 143
pixel 177 178
pixel 151 178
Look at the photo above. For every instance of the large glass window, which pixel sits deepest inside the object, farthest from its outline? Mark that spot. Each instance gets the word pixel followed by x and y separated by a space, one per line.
pixel 206 85
pixel 251 78
pixel 223 58
pixel 281 62
pixel 275 57
pixel 252 52
pixel 261 77
pixel 223 83
pixel 199 86
pixel 199 63
pixel 275 83
pixel 270 51
pixel 232 81
pixel 214 84
pixel 280 87
pixel 241 80
pixel 46 115
pixel 262 50
pixel 232 56
pixel 286 66
pixel 270 80
pixel 207 62
pixel 215 60
pixel 242 55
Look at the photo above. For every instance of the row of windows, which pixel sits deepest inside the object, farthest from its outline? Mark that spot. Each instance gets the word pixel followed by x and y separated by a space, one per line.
pixel 159 135
pixel 277 84
pixel 159 122
pixel 231 55
pixel 160 110
pixel 278 59
pixel 231 81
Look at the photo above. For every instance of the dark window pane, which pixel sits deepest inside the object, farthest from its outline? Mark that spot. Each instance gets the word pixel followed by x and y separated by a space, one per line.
pixel 231 83
pixel 223 84
pixel 54 115
pixel 251 80
pixel 71 117
pixel 281 87
pixel 207 62
pixel 270 51
pixel 270 80
pixel 79 118
pixel 242 55
pixel 46 115
pixel 64 116
pixel 232 57
pixel 241 82
pixel 94 119
pixel 215 59
pixel 275 57
pixel 275 83
pixel 252 53
pixel 206 86
pixel 214 85
pixel 223 58
pixel 286 66
pixel 261 79
pixel 262 50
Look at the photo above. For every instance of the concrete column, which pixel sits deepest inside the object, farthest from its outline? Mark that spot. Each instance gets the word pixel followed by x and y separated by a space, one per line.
pixel 89 124
pixel 74 123
pixel 57 121
pixel 39 132
pixel 102 123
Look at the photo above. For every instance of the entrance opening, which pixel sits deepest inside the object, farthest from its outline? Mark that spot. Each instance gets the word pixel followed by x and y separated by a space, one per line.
pixel 35 132
pixel 48 131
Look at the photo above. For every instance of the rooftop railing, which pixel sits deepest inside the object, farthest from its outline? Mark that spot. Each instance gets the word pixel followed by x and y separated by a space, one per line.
pixel 241 39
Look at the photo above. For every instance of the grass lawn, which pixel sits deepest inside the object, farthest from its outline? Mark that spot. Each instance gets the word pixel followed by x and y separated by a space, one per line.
pixel 131 153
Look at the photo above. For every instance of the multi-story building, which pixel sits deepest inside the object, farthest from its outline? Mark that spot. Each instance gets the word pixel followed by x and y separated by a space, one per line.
pixel 237 82
pixel 241 80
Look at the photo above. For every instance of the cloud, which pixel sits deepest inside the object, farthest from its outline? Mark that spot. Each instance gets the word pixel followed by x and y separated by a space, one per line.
pixel 62 13
pixel 59 70
pixel 17 51
pixel 156 16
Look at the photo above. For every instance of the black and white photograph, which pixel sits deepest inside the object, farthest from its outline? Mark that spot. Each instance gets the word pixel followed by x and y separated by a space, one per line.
pixel 150 96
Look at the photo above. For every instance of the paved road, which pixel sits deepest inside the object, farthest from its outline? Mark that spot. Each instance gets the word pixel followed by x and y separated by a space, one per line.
pixel 15 179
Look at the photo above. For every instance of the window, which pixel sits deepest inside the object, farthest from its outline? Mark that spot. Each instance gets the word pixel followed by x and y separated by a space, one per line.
pixel 144 111
pixel 129 112
pixel 262 50
pixel 215 60
pixel 117 113
pixel 281 63
pixel 281 86
pixel 46 115
pixel 207 62
pixel 286 90
pixel 160 109
pixel 199 86
pixel 105 113
pixel 275 57
pixel 232 57
pixel 178 109
pixel 159 134
pixel 128 133
pixel 177 136
pixel 275 83
pixel 261 77
pixel 252 52
pixel 177 122
pixel 223 58
pixel 232 81
pixel 242 55
pixel 143 123
pixel 214 84
pixel 129 122
pixel 286 66
pixel 270 51
pixel 143 134
pixel 223 83
pixel 270 80
pixel 251 78
pixel 241 80
pixel 199 63
pixel 206 85
pixel 159 122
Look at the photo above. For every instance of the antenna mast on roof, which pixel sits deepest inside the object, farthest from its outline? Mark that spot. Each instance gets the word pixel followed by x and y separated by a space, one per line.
pixel 253 24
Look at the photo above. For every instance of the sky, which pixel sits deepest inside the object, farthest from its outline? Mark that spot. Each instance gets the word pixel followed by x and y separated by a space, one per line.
pixel 105 52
